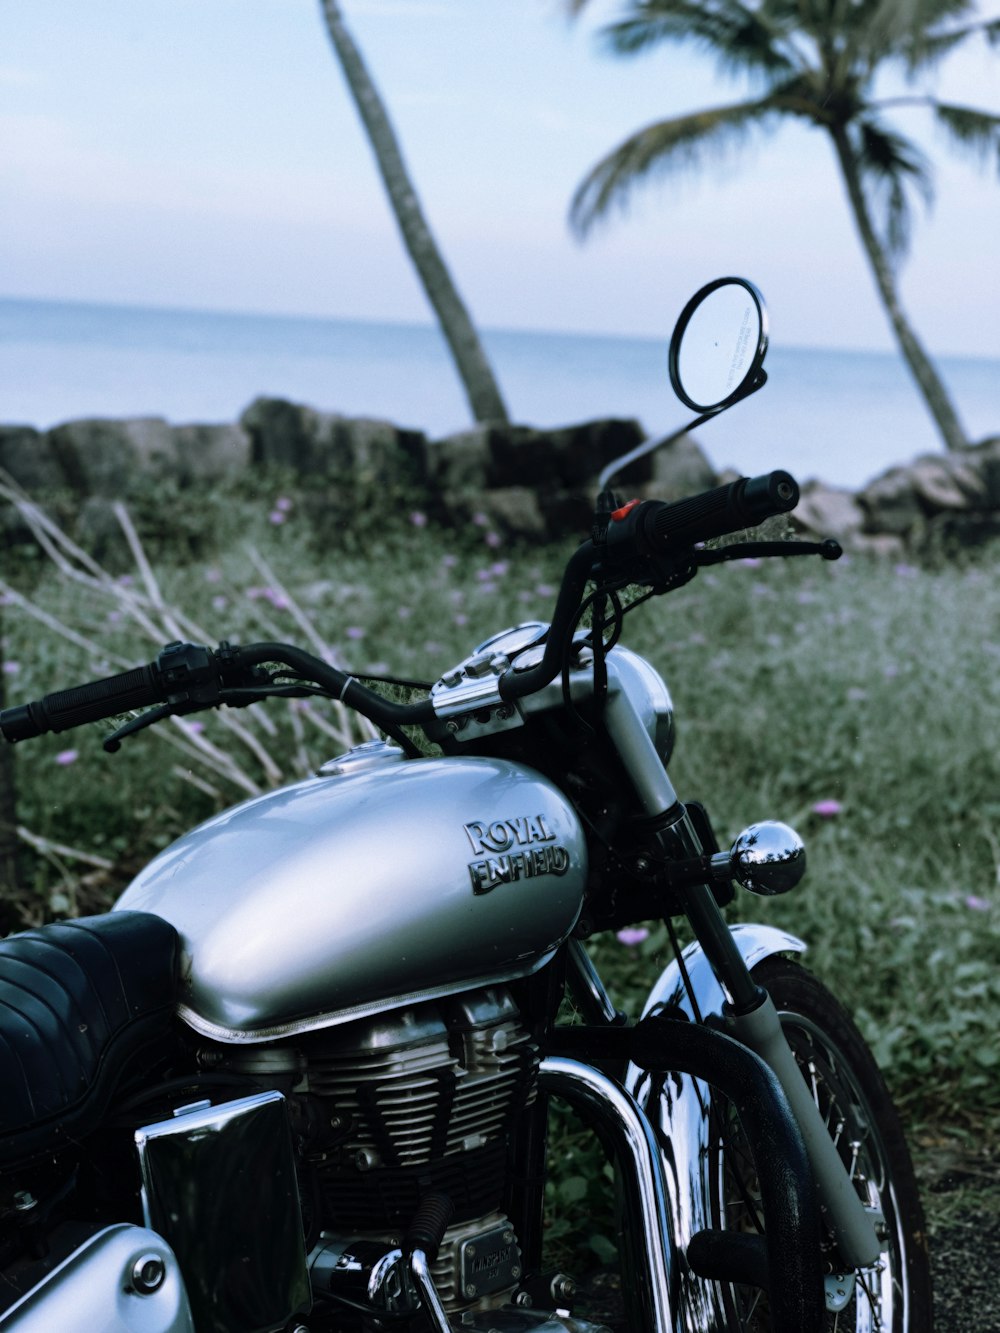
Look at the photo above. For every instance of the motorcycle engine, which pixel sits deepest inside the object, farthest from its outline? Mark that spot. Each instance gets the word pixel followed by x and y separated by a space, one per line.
pixel 389 1109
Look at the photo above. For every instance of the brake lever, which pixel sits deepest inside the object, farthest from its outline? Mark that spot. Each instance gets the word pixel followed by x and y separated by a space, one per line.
pixel 828 549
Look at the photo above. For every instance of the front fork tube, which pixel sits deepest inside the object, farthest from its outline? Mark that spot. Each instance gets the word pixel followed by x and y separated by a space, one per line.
pixel 752 1017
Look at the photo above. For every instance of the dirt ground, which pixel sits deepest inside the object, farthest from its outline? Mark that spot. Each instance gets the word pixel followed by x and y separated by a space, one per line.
pixel 961 1192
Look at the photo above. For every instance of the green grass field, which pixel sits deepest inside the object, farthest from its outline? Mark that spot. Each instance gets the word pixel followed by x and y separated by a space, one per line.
pixel 859 702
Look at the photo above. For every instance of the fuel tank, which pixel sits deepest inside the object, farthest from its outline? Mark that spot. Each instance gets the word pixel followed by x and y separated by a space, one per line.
pixel 367 887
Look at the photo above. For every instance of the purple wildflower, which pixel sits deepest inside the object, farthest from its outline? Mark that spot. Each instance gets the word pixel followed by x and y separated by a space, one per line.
pixel 276 517
pixel 65 757
pixel 354 632
pixel 283 504
pixel 827 808
pixel 976 904
pixel 632 935
pixel 418 519
pixel 11 668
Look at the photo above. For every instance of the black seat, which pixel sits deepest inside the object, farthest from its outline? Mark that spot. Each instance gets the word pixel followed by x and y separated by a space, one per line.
pixel 78 1000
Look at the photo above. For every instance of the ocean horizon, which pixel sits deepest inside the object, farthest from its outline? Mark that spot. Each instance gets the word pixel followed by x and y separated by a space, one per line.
pixel 840 416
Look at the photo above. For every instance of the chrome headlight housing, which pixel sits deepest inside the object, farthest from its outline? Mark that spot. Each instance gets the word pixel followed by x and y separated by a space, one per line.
pixel 648 691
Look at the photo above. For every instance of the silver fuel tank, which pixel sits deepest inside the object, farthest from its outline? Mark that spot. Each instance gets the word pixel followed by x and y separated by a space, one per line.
pixel 369 886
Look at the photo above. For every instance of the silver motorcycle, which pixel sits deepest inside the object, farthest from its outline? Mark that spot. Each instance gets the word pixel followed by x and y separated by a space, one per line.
pixel 299 1078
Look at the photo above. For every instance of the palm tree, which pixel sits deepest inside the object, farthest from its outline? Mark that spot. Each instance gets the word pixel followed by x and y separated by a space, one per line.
pixel 819 61
pixel 470 360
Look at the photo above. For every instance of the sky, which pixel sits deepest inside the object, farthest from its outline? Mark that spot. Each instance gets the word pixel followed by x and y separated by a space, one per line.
pixel 204 154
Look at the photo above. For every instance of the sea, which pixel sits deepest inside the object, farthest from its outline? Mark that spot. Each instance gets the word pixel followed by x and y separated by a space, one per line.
pixel 843 417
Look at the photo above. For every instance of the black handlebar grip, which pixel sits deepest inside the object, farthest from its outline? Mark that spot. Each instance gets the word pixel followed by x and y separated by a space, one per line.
pixel 730 508
pixel 83 703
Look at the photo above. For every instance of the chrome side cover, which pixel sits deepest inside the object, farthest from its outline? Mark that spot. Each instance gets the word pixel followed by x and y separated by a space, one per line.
pixel 124 1279
pixel 347 895
pixel 220 1183
pixel 677 1108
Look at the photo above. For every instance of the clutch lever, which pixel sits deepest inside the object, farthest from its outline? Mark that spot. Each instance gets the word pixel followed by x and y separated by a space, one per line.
pixel 828 549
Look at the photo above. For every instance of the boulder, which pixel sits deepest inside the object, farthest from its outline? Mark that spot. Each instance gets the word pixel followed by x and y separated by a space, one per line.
pixel 582 451
pixel 26 455
pixel 680 469
pixel 828 511
pixel 209 453
pixel 100 456
pixel 890 503
pixel 459 465
pixel 514 511
pixel 281 434
pixel 324 444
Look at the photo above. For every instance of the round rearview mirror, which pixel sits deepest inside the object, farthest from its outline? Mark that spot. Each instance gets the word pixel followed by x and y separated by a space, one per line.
pixel 718 346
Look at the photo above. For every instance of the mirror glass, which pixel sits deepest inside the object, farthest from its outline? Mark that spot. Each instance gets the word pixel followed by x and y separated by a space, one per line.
pixel 718 345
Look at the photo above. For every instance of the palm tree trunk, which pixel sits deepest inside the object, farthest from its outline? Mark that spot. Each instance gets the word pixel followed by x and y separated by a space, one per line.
pixel 478 380
pixel 928 380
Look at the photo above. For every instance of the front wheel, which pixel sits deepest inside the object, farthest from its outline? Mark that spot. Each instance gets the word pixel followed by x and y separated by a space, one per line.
pixel 894 1294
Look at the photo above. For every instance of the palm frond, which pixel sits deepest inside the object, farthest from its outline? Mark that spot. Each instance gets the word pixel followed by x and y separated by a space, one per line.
pixel 891 168
pixel 671 145
pixel 975 132
pixel 741 38
pixel 910 30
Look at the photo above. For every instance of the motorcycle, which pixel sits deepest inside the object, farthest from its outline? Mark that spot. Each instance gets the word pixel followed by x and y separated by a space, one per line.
pixel 299 1078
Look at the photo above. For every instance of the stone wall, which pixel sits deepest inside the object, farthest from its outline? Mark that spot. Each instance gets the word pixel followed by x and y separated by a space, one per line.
pixel 530 483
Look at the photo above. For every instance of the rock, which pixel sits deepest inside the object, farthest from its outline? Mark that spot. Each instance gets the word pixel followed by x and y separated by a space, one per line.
pixel 515 511
pixel 827 511
pixel 209 453
pixel 460 465
pixel 891 504
pixel 101 456
pixel 680 469
pixel 325 444
pixel 582 451
pixel 282 434
pixel 986 458
pixel 947 481
pixel 27 456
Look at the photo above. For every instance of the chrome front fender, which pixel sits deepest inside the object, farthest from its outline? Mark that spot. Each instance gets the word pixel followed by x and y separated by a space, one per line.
pixel 676 1106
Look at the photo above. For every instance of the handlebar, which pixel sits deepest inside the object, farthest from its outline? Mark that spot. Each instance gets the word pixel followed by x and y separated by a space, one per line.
pixel 654 529
pixel 641 542
pixel 84 703
pixel 188 676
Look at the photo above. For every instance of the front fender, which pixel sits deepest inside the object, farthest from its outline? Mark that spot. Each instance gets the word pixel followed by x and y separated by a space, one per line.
pixel 677 1107
pixel 755 942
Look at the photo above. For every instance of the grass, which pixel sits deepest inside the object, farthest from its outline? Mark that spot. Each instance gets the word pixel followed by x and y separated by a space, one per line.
pixel 859 702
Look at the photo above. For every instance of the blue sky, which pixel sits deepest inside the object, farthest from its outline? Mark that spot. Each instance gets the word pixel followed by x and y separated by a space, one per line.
pixel 204 153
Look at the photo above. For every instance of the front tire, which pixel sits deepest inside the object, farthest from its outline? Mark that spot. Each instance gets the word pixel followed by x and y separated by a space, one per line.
pixel 894 1294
